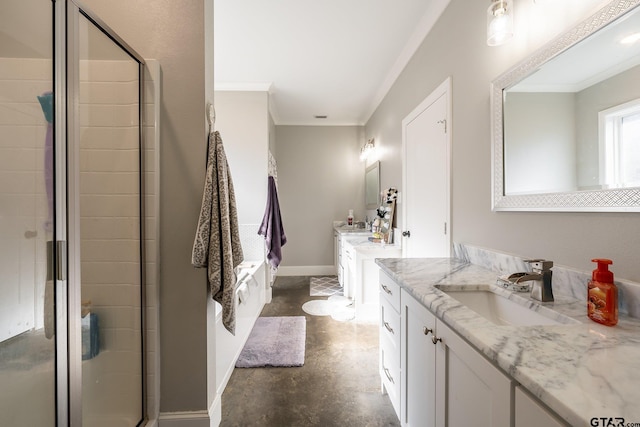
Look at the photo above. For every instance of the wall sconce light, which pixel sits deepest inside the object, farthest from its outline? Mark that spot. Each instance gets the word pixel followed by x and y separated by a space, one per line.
pixel 499 22
pixel 367 149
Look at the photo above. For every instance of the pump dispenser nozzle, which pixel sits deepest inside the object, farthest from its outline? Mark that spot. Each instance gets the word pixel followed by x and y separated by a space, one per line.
pixel 602 273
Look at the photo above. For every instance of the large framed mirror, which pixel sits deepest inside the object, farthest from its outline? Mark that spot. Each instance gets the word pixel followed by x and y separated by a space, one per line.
pixel 566 120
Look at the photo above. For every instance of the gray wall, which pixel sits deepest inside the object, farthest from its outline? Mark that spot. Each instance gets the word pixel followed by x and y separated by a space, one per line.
pixel 172 31
pixel 320 178
pixel 242 118
pixel 540 153
pixel 456 47
pixel 606 94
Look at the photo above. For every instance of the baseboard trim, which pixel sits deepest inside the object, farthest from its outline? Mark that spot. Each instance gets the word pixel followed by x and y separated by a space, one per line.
pixel 215 411
pixel 185 419
pixel 307 270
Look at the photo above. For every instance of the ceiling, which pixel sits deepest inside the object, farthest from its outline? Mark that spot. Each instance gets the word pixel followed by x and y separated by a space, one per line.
pixel 334 58
pixel 596 58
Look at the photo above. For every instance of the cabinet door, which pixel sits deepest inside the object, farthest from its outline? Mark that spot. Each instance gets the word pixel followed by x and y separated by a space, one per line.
pixel 336 251
pixel 350 282
pixel 390 371
pixel 475 392
pixel 529 413
pixel 417 364
pixel 339 249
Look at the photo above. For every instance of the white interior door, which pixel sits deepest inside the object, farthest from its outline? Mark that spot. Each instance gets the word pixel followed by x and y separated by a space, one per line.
pixel 426 176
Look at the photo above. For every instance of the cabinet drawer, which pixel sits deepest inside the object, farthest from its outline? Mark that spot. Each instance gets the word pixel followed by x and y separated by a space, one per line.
pixel 390 290
pixel 390 373
pixel 389 323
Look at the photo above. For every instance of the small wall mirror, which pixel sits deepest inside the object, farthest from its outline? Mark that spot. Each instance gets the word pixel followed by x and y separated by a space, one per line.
pixel 566 121
pixel 372 186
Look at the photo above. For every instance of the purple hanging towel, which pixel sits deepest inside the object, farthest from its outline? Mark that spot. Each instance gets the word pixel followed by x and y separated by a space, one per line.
pixel 271 227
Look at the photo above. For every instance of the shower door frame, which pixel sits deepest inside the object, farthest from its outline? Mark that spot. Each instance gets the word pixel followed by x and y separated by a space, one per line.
pixel 67 14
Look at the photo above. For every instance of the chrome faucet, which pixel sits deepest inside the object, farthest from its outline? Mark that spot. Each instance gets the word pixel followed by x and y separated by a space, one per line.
pixel 540 276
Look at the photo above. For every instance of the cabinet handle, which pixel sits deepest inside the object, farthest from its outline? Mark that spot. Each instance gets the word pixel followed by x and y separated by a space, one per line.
pixel 426 330
pixel 389 377
pixel 387 290
pixel 389 328
pixel 435 340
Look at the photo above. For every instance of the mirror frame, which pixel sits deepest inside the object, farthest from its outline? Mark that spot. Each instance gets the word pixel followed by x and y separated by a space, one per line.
pixel 614 200
pixel 374 166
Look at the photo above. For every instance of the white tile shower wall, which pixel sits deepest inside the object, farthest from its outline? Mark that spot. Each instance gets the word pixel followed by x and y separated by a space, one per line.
pixel 110 232
pixel 566 280
pixel 23 201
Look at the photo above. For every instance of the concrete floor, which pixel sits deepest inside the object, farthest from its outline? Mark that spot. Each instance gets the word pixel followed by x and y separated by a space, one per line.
pixel 338 385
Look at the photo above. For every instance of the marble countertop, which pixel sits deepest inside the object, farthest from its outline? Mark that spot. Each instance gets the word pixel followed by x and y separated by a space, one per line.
pixel 580 370
pixel 363 243
pixel 345 229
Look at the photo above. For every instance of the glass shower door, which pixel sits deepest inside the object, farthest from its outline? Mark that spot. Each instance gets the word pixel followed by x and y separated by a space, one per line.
pixel 107 244
pixel 27 326
pixel 71 252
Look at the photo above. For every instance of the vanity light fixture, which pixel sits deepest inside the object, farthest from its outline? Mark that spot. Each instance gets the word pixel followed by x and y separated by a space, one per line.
pixel 499 22
pixel 367 149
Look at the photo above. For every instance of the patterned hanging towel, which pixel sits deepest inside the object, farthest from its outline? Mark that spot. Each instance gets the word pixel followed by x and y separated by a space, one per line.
pixel 217 243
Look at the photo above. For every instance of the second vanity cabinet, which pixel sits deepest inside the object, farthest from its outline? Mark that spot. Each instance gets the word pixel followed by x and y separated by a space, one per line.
pixel 435 378
pixel 361 274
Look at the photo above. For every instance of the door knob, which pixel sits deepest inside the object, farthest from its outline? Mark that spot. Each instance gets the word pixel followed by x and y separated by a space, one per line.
pixel 406 233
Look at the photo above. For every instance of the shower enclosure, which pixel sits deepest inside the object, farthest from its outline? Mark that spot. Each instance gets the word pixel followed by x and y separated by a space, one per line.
pixel 72 250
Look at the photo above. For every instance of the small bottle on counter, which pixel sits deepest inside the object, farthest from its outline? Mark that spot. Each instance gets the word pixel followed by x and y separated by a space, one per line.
pixel 602 294
pixel 350 218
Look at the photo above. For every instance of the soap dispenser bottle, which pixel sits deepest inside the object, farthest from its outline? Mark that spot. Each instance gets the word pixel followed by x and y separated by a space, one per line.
pixel 602 294
pixel 350 218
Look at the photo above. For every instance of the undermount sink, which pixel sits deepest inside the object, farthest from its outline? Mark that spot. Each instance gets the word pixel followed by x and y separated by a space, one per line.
pixel 503 311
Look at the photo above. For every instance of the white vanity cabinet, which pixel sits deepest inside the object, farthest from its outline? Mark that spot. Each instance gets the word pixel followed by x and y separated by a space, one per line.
pixel 417 364
pixel 365 277
pixel 443 380
pixel 469 389
pixel 348 269
pixel 340 236
pixel 360 273
pixel 531 413
pixel 390 332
